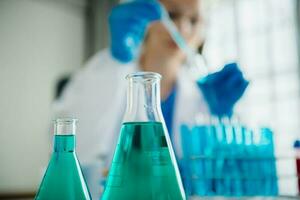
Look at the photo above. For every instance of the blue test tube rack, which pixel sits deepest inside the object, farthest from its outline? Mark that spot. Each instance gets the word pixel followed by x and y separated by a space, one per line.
pixel 228 160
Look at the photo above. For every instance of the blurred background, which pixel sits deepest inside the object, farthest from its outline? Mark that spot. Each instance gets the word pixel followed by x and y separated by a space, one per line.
pixel 42 42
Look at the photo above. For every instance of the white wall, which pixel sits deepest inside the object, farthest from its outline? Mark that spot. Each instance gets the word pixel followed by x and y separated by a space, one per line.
pixel 39 41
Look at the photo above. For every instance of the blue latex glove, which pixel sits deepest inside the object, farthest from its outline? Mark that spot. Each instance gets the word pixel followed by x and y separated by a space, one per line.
pixel 223 89
pixel 128 23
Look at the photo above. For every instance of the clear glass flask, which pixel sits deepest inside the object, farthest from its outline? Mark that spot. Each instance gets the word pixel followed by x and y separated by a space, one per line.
pixel 63 178
pixel 144 165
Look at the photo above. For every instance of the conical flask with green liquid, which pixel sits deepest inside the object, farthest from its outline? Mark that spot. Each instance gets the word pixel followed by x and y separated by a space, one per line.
pixel 144 165
pixel 63 179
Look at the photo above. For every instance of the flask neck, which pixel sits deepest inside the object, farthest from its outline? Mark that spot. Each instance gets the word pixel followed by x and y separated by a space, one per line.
pixel 64 143
pixel 64 135
pixel 143 97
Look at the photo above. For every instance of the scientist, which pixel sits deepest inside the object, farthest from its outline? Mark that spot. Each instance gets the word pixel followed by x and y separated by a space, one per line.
pixel 96 94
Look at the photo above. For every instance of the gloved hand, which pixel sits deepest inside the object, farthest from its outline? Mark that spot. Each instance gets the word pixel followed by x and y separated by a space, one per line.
pixel 128 23
pixel 223 89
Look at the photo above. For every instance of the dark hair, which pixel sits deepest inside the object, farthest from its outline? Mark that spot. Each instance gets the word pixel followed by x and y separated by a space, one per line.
pixel 200 48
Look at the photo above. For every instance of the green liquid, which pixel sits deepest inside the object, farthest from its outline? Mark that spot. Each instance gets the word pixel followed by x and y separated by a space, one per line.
pixel 63 178
pixel 142 167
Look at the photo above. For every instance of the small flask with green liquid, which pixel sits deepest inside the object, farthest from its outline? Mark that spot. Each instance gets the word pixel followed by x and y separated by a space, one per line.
pixel 63 179
pixel 144 165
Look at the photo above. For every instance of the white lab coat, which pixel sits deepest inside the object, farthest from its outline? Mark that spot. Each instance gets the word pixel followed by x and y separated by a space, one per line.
pixel 96 96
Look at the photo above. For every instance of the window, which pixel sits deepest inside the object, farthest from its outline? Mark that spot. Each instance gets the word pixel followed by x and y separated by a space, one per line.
pixel 262 36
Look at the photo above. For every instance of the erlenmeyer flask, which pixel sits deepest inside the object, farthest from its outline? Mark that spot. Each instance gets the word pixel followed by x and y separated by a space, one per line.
pixel 63 178
pixel 144 165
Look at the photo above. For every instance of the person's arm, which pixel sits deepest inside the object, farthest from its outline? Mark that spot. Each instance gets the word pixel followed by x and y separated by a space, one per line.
pixel 87 97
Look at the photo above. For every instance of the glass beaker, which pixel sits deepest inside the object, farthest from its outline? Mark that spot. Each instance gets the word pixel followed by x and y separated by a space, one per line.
pixel 63 178
pixel 144 165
